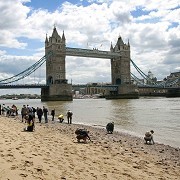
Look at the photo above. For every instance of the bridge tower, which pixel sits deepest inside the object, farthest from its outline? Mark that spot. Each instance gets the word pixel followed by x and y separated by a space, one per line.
pixel 120 71
pixel 58 88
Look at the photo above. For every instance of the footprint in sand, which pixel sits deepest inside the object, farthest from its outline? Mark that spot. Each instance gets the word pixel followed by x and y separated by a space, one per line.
pixel 13 167
pixel 23 175
pixel 28 163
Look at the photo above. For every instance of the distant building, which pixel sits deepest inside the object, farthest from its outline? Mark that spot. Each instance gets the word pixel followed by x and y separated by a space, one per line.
pixel 173 79
pixel 174 75
pixel 151 79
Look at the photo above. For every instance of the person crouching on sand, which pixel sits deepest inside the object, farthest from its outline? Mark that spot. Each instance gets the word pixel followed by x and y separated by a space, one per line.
pixel 61 118
pixel 82 134
pixel 149 137
pixel 30 123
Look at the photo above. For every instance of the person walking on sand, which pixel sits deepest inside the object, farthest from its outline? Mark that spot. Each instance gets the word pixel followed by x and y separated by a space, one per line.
pixel 45 112
pixel 69 116
pixel 24 112
pixel 53 114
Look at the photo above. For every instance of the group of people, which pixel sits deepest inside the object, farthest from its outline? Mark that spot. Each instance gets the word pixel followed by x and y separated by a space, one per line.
pixel 82 134
pixel 9 110
pixel 40 112
pixel 30 112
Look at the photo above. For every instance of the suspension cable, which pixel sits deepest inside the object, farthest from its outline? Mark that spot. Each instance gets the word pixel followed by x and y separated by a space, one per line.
pixel 27 71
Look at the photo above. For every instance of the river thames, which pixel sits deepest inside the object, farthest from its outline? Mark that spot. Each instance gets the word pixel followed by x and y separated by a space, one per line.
pixel 132 116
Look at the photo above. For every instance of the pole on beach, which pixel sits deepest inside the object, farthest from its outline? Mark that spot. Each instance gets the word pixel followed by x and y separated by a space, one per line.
pixel 0 109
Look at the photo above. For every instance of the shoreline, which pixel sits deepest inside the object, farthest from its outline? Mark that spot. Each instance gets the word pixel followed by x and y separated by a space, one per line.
pixel 52 152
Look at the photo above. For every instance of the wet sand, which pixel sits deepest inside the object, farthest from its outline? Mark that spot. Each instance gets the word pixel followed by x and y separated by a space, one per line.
pixel 51 152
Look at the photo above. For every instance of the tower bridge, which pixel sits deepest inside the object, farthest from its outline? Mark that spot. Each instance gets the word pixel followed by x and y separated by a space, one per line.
pixel 58 87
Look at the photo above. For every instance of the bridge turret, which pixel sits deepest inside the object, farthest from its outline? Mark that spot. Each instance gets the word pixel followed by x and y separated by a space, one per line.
pixel 55 36
pixel 63 37
pixel 119 45
pixel 46 41
pixel 111 48
pixel 128 43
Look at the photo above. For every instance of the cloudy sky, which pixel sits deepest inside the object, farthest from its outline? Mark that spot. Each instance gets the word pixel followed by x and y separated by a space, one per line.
pixel 151 26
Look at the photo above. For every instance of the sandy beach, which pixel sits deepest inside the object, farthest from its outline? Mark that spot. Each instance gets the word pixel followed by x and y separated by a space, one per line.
pixel 51 152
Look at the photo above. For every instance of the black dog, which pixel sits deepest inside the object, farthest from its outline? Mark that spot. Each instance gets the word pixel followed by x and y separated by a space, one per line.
pixel 110 127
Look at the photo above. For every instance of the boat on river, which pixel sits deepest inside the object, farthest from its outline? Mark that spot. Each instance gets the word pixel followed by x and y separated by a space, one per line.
pixel 14 98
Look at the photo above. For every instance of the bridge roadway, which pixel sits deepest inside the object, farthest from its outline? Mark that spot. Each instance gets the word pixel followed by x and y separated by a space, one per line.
pixel 31 86
pixel 22 86
pixel 94 53
pixel 112 87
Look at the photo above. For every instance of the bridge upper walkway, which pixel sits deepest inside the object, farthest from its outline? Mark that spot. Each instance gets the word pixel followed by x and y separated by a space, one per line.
pixel 93 53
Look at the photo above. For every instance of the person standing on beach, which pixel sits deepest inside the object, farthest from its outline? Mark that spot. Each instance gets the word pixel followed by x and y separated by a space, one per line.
pixel 69 116
pixel 3 109
pixel 53 114
pixel 24 112
pixel 39 114
pixel 45 112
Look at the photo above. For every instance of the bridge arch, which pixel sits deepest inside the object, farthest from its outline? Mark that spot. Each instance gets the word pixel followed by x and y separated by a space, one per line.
pixel 50 80
pixel 118 81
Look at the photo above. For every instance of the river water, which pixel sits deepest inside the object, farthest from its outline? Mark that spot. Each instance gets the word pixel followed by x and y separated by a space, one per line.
pixel 132 116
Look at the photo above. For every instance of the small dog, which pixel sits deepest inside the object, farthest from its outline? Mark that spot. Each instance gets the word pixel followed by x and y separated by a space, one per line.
pixel 82 134
pixel 149 137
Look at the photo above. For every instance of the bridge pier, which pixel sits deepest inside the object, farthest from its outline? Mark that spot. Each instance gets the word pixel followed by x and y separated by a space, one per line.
pixel 57 92
pixel 125 91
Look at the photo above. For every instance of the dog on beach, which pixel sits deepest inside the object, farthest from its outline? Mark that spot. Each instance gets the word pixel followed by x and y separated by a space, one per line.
pixel 110 127
pixel 149 137
pixel 82 134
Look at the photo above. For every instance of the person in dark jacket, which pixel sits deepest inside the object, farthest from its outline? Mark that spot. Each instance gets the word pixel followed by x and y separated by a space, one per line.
pixel 39 114
pixel 45 112
pixel 53 114
pixel 69 116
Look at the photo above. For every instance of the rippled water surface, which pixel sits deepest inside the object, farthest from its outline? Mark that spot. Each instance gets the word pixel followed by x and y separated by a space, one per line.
pixel 134 116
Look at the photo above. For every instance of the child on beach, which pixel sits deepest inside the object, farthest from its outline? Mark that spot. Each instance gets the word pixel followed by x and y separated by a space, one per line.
pixel 30 123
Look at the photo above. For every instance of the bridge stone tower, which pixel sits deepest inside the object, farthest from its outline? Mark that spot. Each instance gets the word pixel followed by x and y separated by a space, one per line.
pixel 58 88
pixel 120 71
